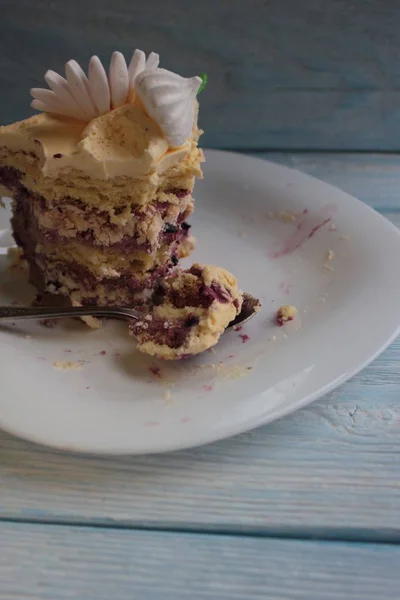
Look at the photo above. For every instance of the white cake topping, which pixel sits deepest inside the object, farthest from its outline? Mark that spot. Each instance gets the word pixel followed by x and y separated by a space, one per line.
pixel 84 99
pixel 168 98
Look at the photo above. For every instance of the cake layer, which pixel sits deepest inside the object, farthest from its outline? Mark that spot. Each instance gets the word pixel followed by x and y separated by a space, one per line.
pixel 12 178
pixel 85 275
pixel 67 290
pixel 129 255
pixel 54 273
pixel 79 285
pixel 79 288
pixel 100 263
pixel 106 195
pixel 141 228
pixel 119 158
pixel 106 262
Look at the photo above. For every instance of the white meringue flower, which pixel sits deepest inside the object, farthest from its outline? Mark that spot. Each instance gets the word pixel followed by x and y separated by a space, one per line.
pixel 98 83
pixel 118 79
pixel 169 100
pixel 139 63
pixel 85 98
pixel 79 86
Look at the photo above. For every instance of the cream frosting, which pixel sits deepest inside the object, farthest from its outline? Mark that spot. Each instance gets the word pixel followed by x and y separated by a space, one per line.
pixel 122 142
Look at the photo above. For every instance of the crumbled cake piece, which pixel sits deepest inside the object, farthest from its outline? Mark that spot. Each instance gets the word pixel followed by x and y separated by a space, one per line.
pixel 282 215
pixel 67 365
pixel 285 313
pixel 193 309
pixel 17 261
pixel 330 255
pixel 286 217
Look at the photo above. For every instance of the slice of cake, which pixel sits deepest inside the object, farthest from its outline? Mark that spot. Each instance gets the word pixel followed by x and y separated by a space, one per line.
pixel 192 310
pixel 102 179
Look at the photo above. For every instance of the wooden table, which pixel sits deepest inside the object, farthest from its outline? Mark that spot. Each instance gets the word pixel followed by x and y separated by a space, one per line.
pixel 305 508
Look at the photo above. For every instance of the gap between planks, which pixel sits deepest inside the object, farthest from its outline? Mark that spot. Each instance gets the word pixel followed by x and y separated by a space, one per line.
pixel 320 534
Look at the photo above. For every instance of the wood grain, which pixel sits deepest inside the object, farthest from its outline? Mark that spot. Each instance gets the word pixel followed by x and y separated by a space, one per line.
pixel 282 74
pixel 100 564
pixel 330 470
pixel 373 178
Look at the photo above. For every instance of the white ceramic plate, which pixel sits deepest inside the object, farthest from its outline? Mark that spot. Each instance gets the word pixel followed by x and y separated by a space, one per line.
pixel 122 402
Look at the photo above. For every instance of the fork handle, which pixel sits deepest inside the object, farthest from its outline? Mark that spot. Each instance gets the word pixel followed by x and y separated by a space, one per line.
pixel 8 313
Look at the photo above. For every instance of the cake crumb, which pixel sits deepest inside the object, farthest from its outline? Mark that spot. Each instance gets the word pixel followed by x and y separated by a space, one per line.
pixel 286 217
pixel 344 237
pixel 167 395
pixel 282 215
pixel 208 387
pixel 91 322
pixel 245 338
pixel 27 337
pixel 233 372
pixel 156 371
pixel 329 256
pixel 14 253
pixel 17 261
pixel 285 313
pixel 67 365
pixel 49 323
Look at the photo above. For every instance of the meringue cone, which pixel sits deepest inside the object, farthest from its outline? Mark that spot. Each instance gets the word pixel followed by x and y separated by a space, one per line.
pixel 169 100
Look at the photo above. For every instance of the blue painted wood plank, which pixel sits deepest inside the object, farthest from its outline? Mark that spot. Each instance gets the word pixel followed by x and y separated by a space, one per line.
pixel 373 178
pixel 283 73
pixel 52 562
